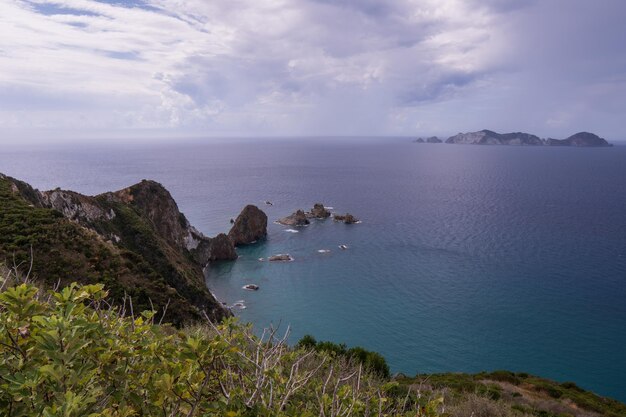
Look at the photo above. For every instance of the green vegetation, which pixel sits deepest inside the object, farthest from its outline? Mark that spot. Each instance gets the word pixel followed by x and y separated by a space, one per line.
pixel 521 392
pixel 68 353
pixel 373 361
pixel 62 251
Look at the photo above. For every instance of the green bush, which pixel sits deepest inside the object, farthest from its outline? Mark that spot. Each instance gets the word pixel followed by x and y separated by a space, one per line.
pixel 68 353
pixel 373 361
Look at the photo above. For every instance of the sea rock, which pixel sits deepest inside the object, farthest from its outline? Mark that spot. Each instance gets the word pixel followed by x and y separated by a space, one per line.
pixel 280 257
pixel 319 211
pixel 488 137
pixel 583 139
pixel 347 218
pixel 250 226
pixel 222 248
pixel 299 218
pixel 251 287
pixel 432 139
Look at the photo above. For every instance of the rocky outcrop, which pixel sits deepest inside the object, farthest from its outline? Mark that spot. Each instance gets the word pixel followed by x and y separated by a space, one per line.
pixel 281 257
pixel 141 223
pixel 347 218
pixel 76 207
pixel 222 248
pixel 488 137
pixel 584 139
pixel 250 226
pixel 299 218
pixel 432 139
pixel 319 211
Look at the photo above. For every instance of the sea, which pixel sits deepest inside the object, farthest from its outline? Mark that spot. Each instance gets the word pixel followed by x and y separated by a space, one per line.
pixel 467 258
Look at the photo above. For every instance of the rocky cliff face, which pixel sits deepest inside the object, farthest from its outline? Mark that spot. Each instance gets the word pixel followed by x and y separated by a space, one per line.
pixel 249 227
pixel 142 223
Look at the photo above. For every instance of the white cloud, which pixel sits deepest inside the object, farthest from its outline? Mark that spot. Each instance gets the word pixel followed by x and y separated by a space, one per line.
pixel 280 66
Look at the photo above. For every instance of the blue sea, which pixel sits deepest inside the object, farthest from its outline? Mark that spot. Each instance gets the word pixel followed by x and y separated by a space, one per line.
pixel 468 258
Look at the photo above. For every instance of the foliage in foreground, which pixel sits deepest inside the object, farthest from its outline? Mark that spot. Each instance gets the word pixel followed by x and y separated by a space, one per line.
pixel 68 353
pixel 373 361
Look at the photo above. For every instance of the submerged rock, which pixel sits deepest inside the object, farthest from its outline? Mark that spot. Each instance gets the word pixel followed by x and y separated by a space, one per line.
pixel 250 226
pixel 298 218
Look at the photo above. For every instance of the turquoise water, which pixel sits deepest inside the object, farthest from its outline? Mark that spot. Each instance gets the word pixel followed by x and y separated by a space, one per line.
pixel 468 258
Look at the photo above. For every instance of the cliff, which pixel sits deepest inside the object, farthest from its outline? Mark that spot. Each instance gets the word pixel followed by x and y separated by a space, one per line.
pixel 134 240
pixel 488 137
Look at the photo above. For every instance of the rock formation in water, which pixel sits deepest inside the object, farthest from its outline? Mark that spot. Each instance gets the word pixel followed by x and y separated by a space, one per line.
pixel 222 248
pixel 319 211
pixel 432 139
pixel 347 218
pixel 281 257
pixel 584 139
pixel 299 218
pixel 488 137
pixel 135 240
pixel 250 226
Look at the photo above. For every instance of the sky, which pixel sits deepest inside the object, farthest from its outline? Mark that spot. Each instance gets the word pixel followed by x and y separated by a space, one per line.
pixel 174 68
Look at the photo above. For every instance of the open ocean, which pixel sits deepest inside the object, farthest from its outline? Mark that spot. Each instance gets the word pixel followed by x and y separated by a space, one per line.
pixel 468 258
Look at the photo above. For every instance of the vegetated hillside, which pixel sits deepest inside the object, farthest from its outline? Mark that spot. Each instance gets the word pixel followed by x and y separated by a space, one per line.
pixel 505 393
pixel 70 353
pixel 106 240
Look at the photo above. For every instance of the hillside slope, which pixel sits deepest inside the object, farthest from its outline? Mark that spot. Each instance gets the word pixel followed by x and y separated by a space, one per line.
pixel 135 241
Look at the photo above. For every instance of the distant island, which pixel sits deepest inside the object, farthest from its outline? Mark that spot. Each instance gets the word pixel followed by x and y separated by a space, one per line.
pixel 489 137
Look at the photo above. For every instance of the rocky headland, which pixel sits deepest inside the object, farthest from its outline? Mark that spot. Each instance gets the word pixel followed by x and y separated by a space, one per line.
pixel 134 240
pixel 489 137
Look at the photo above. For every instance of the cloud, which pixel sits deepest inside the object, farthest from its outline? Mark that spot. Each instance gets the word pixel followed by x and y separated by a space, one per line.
pixel 286 67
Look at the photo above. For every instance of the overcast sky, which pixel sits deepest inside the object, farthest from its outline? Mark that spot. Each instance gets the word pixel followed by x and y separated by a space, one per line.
pixel 85 68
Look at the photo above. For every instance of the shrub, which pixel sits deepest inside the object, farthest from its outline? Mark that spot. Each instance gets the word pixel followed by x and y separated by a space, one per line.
pixel 68 353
